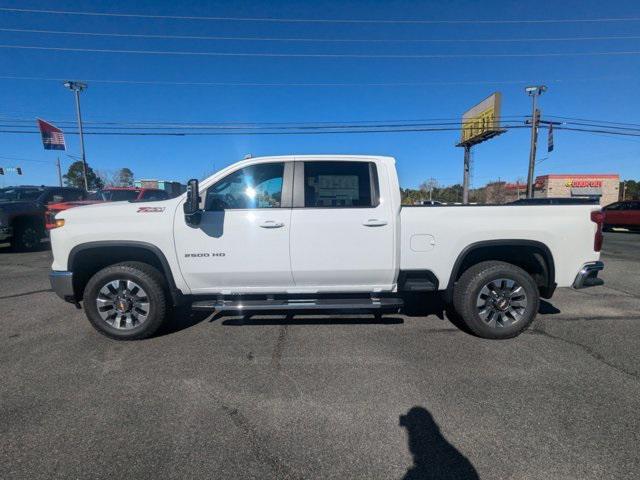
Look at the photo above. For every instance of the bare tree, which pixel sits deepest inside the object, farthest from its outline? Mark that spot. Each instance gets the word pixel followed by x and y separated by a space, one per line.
pixel 429 186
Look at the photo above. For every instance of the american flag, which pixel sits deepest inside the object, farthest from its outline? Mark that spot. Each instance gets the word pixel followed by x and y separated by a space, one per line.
pixel 52 136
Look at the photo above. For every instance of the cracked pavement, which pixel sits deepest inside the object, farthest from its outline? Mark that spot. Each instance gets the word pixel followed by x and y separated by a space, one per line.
pixel 409 396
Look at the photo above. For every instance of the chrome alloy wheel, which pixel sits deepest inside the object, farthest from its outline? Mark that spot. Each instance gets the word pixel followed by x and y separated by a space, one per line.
pixel 123 304
pixel 501 303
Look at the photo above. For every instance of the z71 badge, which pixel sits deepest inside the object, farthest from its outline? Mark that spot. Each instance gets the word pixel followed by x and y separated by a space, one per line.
pixel 150 209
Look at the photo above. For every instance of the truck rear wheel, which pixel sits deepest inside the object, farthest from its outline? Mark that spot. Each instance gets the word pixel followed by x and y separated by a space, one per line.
pixel 496 300
pixel 126 301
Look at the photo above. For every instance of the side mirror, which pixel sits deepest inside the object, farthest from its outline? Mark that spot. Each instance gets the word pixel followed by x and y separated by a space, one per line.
pixel 192 212
pixel 57 199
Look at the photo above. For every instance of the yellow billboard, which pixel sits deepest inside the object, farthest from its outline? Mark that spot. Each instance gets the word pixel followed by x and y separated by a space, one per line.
pixel 482 121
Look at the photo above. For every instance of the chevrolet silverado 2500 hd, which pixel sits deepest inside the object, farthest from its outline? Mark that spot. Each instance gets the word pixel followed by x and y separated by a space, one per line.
pixel 317 233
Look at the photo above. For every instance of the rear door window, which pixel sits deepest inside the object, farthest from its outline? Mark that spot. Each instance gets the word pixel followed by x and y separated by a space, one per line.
pixel 340 185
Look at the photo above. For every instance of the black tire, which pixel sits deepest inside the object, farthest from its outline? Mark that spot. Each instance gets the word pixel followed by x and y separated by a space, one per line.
pixel 27 236
pixel 467 295
pixel 148 279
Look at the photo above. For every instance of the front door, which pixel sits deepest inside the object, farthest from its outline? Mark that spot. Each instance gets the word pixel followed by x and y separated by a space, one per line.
pixel 342 236
pixel 242 242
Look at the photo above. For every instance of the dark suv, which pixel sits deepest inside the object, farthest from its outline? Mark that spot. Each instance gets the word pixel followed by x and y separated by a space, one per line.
pixel 22 212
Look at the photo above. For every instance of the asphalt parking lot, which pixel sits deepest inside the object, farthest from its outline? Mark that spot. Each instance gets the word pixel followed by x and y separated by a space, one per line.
pixel 409 396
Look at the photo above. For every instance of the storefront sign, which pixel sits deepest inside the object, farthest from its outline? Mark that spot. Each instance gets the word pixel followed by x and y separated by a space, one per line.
pixel 583 183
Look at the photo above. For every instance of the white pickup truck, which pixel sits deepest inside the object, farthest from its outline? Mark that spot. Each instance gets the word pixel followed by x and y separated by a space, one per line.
pixel 317 233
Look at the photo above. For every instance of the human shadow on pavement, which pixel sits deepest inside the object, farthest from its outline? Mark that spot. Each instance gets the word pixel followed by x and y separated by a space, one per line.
pixel 434 458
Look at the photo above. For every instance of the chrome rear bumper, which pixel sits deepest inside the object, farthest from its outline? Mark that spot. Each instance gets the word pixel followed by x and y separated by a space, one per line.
pixel 588 275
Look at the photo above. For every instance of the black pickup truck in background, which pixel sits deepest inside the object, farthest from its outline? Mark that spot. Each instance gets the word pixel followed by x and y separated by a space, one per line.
pixel 22 209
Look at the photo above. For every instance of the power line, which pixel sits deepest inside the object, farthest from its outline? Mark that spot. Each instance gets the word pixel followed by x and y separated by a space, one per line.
pixel 388 123
pixel 590 124
pixel 320 20
pixel 323 40
pixel 251 126
pixel 321 131
pixel 322 55
pixel 628 134
pixel 595 121
pixel 378 125
pixel 335 125
pixel 20 159
pixel 293 132
pixel 315 84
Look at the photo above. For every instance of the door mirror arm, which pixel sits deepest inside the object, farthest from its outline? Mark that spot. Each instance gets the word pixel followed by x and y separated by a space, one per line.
pixel 191 207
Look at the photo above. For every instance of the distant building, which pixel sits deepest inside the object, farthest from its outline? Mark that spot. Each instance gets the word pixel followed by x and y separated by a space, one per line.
pixel 515 191
pixel 172 188
pixel 606 187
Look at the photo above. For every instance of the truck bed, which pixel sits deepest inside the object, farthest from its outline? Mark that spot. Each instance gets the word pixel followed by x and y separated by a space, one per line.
pixel 438 235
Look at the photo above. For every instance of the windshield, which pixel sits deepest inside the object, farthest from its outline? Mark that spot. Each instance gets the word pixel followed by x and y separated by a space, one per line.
pixel 12 194
pixel 114 195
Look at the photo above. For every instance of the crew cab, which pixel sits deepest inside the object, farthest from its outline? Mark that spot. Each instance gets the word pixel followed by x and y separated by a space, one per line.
pixel 108 194
pixel 317 233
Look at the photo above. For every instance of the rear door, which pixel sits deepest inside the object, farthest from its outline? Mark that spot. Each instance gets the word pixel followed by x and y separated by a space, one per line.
pixel 342 232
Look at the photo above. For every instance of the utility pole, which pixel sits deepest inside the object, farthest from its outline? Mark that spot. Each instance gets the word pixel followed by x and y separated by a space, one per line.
pixel 77 87
pixel 465 174
pixel 59 171
pixel 534 92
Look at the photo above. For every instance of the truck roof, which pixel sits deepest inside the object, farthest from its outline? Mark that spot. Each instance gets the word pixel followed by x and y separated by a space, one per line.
pixel 336 156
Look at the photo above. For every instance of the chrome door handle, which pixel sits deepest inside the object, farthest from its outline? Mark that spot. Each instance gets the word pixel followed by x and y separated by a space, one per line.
pixel 374 222
pixel 271 224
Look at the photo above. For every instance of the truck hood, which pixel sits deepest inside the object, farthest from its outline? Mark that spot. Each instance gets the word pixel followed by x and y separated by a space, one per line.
pixel 115 222
pixel 116 212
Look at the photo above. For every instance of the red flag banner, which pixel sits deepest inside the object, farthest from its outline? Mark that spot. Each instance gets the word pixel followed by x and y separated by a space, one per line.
pixel 52 136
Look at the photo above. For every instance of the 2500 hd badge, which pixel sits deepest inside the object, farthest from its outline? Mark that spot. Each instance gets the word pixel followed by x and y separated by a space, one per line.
pixel 200 255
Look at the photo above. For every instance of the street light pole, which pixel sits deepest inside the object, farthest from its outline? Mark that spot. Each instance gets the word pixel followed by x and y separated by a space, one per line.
pixel 534 92
pixel 77 87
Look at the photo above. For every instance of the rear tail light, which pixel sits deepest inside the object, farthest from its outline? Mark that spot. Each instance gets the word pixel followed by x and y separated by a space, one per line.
pixel 598 218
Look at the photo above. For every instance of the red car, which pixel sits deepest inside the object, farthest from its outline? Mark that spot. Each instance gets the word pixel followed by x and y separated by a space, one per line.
pixel 109 194
pixel 624 214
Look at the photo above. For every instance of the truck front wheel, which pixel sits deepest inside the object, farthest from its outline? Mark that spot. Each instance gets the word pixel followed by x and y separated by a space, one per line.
pixel 496 299
pixel 27 235
pixel 126 301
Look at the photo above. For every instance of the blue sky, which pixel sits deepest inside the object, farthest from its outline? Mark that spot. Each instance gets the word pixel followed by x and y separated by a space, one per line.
pixel 593 87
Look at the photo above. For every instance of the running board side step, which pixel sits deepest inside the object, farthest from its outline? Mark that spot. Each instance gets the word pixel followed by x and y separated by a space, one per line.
pixel 301 304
